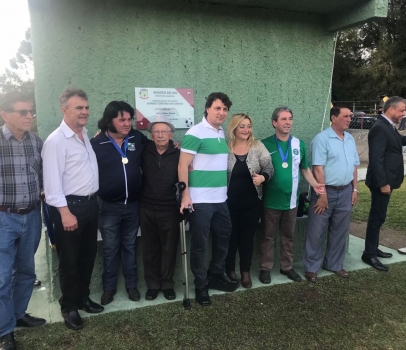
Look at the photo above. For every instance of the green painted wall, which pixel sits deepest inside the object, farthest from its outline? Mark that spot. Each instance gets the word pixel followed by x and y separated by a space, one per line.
pixel 260 57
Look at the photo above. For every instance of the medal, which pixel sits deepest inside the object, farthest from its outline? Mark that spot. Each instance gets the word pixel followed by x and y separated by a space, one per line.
pixel 122 153
pixel 285 156
pixel 125 160
pixel 284 165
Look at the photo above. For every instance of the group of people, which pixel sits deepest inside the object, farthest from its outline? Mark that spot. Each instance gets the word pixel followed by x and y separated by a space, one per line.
pixel 120 180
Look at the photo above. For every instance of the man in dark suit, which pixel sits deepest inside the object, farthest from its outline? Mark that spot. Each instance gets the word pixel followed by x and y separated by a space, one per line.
pixel 384 174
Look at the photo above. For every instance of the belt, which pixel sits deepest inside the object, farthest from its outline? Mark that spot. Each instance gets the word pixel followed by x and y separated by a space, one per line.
pixel 337 188
pixel 81 198
pixel 20 211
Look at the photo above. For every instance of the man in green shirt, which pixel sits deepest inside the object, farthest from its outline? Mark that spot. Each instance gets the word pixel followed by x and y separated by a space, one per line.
pixel 289 159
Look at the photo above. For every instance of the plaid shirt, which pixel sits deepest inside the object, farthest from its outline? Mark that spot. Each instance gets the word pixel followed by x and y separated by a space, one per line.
pixel 20 169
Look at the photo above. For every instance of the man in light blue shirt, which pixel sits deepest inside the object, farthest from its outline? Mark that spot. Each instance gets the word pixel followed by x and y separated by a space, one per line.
pixel 335 160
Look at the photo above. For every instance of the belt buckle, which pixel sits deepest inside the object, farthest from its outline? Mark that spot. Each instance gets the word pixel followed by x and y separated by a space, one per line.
pixel 21 210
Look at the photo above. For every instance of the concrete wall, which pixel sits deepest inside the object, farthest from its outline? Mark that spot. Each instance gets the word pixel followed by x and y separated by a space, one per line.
pixel 260 57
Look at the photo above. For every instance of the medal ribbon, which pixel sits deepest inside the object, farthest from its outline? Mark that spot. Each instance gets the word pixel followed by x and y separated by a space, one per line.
pixel 118 148
pixel 286 155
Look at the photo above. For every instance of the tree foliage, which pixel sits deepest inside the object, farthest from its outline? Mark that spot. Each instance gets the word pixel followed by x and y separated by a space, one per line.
pixel 370 60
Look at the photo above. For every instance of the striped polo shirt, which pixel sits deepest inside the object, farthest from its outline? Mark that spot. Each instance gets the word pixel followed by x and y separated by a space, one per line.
pixel 208 179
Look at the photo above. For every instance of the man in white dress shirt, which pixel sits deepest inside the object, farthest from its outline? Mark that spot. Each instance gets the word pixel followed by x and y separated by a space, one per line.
pixel 71 179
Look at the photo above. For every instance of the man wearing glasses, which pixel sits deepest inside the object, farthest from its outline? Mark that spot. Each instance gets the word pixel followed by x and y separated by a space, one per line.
pixel 159 211
pixel 118 149
pixel 20 215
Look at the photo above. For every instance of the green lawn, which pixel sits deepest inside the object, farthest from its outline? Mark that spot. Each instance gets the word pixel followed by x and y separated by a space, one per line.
pixel 364 312
pixel 396 215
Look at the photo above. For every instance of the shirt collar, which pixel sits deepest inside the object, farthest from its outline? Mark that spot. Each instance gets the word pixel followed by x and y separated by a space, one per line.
pixel 208 125
pixel 7 133
pixel 68 132
pixel 390 121
pixel 332 133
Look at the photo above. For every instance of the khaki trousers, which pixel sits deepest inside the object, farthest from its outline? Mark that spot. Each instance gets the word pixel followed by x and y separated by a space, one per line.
pixel 271 220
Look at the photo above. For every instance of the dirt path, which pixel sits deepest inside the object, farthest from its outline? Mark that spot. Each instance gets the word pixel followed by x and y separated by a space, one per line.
pixel 389 238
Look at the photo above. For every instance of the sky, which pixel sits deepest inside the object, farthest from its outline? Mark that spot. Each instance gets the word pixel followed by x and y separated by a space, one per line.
pixel 14 21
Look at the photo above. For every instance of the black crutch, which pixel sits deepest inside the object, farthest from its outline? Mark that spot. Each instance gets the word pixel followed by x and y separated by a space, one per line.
pixel 180 187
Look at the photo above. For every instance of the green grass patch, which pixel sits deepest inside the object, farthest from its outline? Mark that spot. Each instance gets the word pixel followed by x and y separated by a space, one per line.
pixel 395 218
pixel 364 312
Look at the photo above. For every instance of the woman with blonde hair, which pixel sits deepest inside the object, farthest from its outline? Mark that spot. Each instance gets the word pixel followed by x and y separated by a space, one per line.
pixel 249 165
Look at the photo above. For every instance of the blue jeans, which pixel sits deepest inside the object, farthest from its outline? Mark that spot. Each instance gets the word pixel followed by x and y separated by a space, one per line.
pixel 118 224
pixel 19 240
pixel 208 217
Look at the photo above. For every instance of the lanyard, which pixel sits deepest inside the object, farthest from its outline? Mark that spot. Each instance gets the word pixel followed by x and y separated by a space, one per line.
pixel 123 154
pixel 286 155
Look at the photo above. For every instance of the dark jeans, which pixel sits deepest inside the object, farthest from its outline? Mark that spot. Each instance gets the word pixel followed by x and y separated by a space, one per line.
pixel 244 225
pixel 377 216
pixel 118 225
pixel 160 237
pixel 76 251
pixel 205 218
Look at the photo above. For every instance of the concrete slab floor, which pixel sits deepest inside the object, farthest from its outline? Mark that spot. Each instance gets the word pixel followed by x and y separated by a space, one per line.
pixel 40 305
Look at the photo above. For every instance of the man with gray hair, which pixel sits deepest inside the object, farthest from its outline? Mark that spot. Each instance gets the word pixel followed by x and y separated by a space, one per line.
pixel 159 213
pixel 384 174
pixel 71 179
pixel 289 159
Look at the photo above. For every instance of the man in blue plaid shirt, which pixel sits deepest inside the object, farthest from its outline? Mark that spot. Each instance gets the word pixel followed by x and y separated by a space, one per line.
pixel 20 215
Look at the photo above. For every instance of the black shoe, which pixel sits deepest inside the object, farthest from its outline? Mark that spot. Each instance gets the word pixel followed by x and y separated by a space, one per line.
pixel 73 320
pixel 37 283
pixel 375 263
pixel 107 297
pixel 91 307
pixel 220 281
pixel 7 342
pixel 202 296
pixel 169 294
pixel 292 275
pixel 382 254
pixel 29 321
pixel 151 294
pixel 133 294
pixel 265 276
pixel 232 276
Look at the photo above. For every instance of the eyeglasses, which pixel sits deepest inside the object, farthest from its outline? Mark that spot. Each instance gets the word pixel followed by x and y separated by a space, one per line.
pixel 24 112
pixel 161 132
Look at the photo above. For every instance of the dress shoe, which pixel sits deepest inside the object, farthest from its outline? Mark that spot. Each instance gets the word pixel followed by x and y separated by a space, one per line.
pixel 292 275
pixel 151 294
pixel 381 254
pixel 246 280
pixel 30 321
pixel 402 250
pixel 311 276
pixel 202 296
pixel 265 276
pixel 7 342
pixel 169 294
pixel 375 263
pixel 91 307
pixel 73 320
pixel 232 276
pixel 133 294
pixel 220 281
pixel 340 273
pixel 107 297
pixel 37 283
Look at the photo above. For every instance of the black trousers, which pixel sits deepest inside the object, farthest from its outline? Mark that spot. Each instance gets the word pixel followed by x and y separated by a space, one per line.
pixel 377 216
pixel 76 251
pixel 244 224
pixel 160 237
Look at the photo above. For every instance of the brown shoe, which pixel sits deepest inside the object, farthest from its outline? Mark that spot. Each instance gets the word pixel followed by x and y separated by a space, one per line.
pixel 246 280
pixel 342 273
pixel 311 276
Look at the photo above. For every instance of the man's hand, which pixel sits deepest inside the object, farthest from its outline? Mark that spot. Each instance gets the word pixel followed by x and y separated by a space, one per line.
pixel 69 221
pixel 386 190
pixel 321 204
pixel 176 144
pixel 354 198
pixel 318 188
pixel 186 203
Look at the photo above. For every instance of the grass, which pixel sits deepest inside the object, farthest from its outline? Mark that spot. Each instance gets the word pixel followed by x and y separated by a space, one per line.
pixel 364 312
pixel 395 218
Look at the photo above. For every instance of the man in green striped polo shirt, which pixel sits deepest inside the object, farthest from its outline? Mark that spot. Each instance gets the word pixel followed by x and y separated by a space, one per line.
pixel 205 148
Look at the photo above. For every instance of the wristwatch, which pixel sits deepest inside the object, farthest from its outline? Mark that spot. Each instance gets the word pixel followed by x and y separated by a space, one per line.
pixel 355 190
